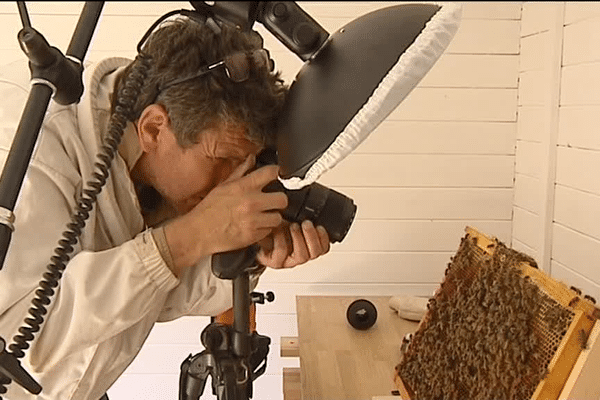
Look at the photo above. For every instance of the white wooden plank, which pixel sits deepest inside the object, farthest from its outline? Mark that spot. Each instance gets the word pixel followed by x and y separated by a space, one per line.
pixel 285 293
pixel 523 248
pixel 578 210
pixel 471 10
pixel 378 235
pixel 576 251
pixel 182 331
pixel 166 387
pixel 163 358
pixel 578 127
pixel 57 29
pixel 474 71
pixel 166 358
pixel 338 267
pixel 421 170
pixel 43 7
pixel 532 87
pixel 435 137
pixel 491 10
pixel 148 8
pixel 480 36
pixel 457 104
pixel 581 42
pixel 533 51
pixel 537 16
pixel 431 203
pixel 528 158
pixel 576 168
pixel 527 193
pixel 526 228
pixel 344 9
pixel 580 84
pixel 529 121
pixel 572 278
pixel 580 10
pixel 9 56
pixel 275 325
pixel 148 387
pixel 551 101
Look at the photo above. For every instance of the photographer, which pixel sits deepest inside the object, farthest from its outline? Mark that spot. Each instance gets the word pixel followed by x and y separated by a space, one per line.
pixel 181 188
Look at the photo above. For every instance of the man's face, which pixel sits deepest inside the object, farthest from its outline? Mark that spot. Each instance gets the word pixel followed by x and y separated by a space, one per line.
pixel 184 176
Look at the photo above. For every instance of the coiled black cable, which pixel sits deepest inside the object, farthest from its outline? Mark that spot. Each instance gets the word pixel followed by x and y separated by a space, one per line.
pixel 126 98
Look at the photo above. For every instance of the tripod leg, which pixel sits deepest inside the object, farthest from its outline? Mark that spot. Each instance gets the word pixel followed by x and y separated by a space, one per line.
pixel 194 372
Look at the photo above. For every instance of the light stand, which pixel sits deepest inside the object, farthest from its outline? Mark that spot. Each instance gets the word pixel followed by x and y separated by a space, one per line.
pixel 53 76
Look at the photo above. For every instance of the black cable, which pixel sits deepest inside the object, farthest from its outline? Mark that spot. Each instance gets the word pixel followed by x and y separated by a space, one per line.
pixel 127 95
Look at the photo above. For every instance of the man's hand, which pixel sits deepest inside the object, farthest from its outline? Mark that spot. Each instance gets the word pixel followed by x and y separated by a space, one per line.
pixel 293 244
pixel 234 215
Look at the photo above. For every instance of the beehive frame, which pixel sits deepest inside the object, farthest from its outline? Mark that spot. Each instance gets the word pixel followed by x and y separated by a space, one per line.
pixel 565 349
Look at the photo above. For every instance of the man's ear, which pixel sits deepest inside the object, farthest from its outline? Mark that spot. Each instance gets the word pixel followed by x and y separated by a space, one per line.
pixel 153 120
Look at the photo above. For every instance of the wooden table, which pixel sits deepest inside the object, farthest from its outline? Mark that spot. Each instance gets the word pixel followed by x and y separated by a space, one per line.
pixel 337 361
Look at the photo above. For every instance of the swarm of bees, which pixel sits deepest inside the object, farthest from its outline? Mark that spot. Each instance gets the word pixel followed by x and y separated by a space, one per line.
pixel 489 332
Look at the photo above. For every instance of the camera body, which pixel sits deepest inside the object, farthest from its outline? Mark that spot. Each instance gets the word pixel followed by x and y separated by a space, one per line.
pixel 315 202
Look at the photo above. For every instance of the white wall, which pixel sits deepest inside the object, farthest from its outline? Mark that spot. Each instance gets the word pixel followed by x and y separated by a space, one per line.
pixel 443 160
pixel 557 203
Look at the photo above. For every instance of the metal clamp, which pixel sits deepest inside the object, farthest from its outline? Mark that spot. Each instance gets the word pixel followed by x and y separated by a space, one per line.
pixel 42 81
pixel 7 218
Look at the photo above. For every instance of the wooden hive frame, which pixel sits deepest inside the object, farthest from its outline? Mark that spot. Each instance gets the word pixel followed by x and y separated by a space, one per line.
pixel 570 371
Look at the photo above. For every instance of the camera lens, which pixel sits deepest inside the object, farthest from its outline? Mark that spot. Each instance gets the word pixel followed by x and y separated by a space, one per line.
pixel 321 205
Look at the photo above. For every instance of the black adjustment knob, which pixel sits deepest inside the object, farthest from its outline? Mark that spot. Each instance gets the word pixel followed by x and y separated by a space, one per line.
pixel 362 314
pixel 305 35
pixel 280 12
pixel 270 297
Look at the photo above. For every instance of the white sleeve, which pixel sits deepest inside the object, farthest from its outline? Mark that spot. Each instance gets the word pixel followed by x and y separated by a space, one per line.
pixel 101 293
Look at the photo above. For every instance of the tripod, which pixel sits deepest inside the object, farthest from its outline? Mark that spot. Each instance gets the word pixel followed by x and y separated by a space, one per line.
pixel 234 356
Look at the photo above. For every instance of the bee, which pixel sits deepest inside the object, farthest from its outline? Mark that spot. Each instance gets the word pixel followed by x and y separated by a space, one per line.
pixel 573 301
pixel 590 298
pixel 406 340
pixel 583 339
pixel 576 290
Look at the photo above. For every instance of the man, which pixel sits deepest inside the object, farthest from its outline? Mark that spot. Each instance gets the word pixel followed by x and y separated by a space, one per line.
pixel 181 188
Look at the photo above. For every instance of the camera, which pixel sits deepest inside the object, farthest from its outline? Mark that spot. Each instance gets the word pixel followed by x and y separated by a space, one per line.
pixel 315 202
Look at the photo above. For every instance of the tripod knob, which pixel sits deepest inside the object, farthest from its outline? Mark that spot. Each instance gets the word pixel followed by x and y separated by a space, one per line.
pixel 260 297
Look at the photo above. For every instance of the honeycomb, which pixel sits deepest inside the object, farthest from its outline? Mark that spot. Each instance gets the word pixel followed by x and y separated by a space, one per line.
pixel 491 331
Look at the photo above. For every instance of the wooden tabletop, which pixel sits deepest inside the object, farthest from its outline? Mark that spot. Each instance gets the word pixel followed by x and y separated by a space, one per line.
pixel 339 362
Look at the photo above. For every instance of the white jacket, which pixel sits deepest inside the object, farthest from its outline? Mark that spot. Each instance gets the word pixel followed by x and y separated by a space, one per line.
pixel 116 285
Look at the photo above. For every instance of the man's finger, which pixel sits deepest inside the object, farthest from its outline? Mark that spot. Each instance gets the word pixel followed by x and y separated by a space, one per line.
pixel 313 242
pixel 260 178
pixel 324 238
pixel 270 201
pixel 300 253
pixel 281 249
